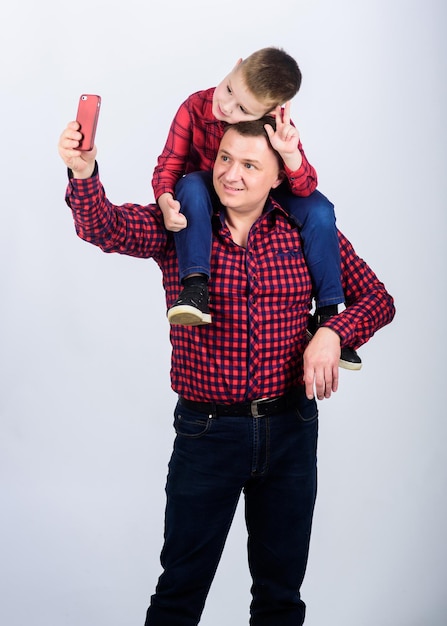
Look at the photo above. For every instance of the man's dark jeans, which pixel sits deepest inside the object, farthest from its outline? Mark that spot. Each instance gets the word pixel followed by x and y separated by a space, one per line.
pixel 273 461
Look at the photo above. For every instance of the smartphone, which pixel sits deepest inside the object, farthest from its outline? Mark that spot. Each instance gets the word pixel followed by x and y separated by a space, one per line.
pixel 87 116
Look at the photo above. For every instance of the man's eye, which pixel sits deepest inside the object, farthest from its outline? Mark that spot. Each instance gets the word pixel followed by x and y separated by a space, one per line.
pixel 249 166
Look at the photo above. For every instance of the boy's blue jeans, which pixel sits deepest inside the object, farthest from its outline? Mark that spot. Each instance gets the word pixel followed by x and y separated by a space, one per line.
pixel 314 216
pixel 272 460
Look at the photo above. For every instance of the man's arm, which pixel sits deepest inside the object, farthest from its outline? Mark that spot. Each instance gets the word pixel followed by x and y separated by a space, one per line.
pixel 320 364
pixel 80 163
pixel 369 307
pixel 130 229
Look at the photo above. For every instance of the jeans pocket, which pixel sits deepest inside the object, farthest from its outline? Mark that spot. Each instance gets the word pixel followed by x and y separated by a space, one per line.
pixel 307 410
pixel 190 424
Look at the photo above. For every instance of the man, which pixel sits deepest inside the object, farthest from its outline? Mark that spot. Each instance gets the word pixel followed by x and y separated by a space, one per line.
pixel 246 419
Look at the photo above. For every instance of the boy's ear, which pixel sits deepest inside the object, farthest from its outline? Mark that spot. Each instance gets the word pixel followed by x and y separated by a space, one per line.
pixel 238 62
pixel 274 111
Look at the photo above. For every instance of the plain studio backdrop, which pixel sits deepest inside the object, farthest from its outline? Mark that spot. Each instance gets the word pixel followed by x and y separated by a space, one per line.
pixel 86 405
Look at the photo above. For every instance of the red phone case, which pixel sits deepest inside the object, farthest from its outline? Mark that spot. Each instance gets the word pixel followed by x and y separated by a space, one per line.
pixel 87 116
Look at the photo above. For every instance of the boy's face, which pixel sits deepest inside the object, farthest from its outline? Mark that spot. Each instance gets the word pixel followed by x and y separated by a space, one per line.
pixel 233 102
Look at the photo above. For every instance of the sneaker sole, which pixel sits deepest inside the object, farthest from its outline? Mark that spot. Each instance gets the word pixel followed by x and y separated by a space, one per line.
pixel 186 315
pixel 347 365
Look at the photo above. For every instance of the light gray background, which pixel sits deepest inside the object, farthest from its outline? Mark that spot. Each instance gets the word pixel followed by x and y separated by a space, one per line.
pixel 85 404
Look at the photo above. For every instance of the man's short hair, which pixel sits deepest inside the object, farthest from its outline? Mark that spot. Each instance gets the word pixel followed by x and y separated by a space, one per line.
pixel 256 128
pixel 272 76
pixel 253 128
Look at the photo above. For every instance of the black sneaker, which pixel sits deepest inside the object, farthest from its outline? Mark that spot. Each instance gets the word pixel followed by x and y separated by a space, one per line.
pixel 191 307
pixel 349 359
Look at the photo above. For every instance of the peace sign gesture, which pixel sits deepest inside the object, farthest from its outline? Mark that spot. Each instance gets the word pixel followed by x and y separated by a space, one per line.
pixel 286 138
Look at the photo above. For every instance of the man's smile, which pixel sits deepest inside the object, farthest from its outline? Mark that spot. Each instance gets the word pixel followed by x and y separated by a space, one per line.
pixel 231 188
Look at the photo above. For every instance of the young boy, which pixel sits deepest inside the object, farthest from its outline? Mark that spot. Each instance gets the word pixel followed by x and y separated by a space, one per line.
pixel 256 86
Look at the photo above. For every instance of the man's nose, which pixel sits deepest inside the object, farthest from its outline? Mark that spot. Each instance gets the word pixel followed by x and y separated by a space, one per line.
pixel 234 172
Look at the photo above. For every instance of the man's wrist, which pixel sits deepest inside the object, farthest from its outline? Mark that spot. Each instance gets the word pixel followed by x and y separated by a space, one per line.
pixel 73 174
pixel 339 326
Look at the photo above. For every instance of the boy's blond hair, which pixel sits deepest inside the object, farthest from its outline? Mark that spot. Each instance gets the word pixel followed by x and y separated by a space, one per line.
pixel 272 76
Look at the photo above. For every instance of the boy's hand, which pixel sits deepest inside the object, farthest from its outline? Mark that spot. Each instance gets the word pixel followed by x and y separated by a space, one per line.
pixel 82 164
pixel 173 219
pixel 286 138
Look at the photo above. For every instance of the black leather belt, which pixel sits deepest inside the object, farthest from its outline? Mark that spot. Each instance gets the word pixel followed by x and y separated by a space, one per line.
pixel 255 408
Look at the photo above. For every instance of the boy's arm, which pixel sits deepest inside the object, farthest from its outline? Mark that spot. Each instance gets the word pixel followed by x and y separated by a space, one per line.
pixel 173 219
pixel 302 181
pixel 171 164
pixel 285 140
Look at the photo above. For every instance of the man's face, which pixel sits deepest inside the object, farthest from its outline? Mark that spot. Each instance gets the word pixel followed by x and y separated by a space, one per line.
pixel 245 171
pixel 233 102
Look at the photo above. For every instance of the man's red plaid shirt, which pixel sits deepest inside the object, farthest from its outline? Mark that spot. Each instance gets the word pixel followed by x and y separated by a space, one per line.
pixel 259 296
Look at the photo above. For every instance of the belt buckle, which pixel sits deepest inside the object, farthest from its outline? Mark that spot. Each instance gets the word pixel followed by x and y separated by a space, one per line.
pixel 254 407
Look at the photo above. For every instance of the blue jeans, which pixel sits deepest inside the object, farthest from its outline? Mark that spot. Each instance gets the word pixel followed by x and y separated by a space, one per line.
pixel 314 216
pixel 272 460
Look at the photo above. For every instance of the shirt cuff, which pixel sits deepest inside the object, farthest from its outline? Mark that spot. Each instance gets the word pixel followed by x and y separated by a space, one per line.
pixel 342 328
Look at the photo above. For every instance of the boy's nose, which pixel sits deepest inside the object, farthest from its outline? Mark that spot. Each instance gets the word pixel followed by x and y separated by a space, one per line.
pixel 228 106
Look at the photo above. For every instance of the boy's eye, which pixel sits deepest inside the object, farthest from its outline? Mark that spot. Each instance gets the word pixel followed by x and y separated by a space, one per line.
pixel 243 110
pixel 229 89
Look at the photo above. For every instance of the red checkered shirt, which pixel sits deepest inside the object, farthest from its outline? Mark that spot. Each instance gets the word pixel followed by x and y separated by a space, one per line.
pixel 193 143
pixel 259 296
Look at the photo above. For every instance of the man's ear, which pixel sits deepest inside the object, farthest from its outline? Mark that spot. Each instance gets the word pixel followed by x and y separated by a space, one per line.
pixel 279 180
